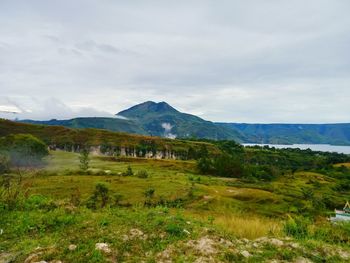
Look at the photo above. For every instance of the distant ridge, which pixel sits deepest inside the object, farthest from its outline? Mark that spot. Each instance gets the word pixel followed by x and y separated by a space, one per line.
pixel 161 119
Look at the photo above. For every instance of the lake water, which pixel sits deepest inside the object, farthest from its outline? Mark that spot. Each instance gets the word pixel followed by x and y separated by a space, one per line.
pixel 314 147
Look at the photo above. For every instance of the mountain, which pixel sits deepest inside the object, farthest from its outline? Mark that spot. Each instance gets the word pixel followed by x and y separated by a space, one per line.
pixel 112 124
pixel 160 119
pixel 336 134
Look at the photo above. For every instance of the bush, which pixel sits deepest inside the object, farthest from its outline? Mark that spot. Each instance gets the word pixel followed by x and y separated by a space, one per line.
pixel 84 159
pixel 12 194
pixel 142 174
pixel 117 198
pixel 129 171
pixel 297 227
pixel 149 193
pixel 4 163
pixel 24 149
pixel 100 196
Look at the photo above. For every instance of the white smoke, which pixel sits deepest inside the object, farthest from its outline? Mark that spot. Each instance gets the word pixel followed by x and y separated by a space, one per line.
pixel 167 130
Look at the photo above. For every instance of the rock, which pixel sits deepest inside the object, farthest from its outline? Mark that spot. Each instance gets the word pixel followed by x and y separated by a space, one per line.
pixel 245 241
pixel 7 257
pixel 33 258
pixel 104 247
pixel 203 246
pixel 294 245
pixel 302 260
pixel 136 233
pixel 186 232
pixel 245 254
pixel 72 247
pixel 225 243
pixel 276 242
pixel 205 260
pixel 343 254
pixel 165 255
pixel 255 245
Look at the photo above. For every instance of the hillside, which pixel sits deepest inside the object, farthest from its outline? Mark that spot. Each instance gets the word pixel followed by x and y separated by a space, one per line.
pixel 336 134
pixel 112 124
pixel 161 119
pixel 109 142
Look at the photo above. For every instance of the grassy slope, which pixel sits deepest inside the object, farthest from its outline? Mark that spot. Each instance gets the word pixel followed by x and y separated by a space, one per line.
pixel 237 209
pixel 112 124
pixel 61 135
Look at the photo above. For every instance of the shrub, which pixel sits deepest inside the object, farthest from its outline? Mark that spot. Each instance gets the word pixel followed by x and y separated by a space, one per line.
pixel 307 193
pixel 99 197
pixel 4 163
pixel 174 230
pixel 84 159
pixel 129 171
pixel 117 198
pixel 142 174
pixel 24 149
pixel 149 193
pixel 12 195
pixel 297 227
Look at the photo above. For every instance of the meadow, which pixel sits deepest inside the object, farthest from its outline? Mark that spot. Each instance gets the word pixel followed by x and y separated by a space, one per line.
pixel 166 211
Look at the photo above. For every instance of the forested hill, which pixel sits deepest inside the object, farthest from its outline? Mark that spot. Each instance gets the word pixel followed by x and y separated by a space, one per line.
pixel 336 134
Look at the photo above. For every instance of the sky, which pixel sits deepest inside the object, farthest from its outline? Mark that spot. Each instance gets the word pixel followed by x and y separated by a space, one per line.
pixel 230 60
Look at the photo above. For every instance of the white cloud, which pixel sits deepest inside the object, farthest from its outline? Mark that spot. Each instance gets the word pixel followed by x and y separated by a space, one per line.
pixel 238 61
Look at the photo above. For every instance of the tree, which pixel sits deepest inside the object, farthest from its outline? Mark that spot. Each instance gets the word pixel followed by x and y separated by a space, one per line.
pixel 84 159
pixel 23 149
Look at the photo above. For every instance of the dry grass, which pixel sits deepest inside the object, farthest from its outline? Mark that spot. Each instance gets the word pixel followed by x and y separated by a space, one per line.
pixel 250 227
pixel 343 164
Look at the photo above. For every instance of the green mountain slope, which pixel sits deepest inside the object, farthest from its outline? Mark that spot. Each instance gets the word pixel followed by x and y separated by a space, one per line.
pixel 112 124
pixel 161 119
pixel 336 134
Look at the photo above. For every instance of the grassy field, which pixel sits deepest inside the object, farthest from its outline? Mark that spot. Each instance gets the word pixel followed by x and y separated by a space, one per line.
pixel 189 217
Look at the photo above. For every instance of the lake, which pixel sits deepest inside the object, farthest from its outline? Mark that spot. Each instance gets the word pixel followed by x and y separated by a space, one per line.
pixel 314 147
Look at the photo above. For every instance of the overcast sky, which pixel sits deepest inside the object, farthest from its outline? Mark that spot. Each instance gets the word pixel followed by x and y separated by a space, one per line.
pixel 234 61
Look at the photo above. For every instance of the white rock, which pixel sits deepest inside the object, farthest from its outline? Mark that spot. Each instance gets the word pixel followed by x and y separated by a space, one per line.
pixel 186 232
pixel 302 260
pixel 245 254
pixel 104 247
pixel 72 247
pixel 276 242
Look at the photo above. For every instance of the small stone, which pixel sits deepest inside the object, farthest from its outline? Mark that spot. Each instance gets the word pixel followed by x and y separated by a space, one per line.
pixel 245 254
pixel 244 240
pixel 302 260
pixel 186 232
pixel 276 242
pixel 72 247
pixel 294 245
pixel 32 258
pixel 255 245
pixel 104 247
pixel 7 257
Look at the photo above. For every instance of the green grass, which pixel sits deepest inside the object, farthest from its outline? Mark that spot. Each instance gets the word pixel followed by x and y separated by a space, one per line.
pixel 52 214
